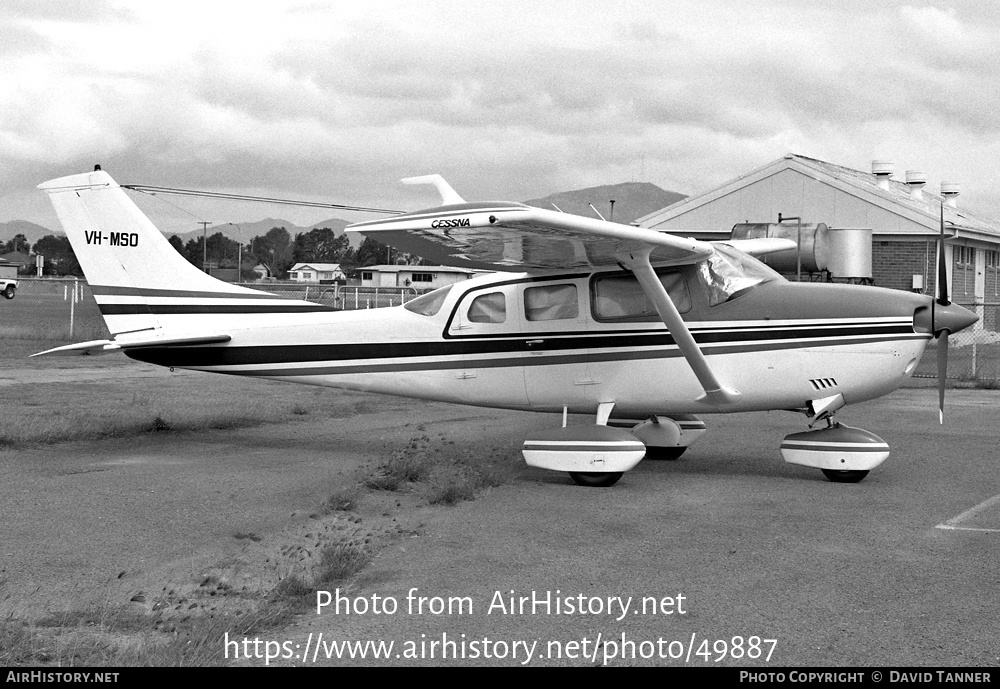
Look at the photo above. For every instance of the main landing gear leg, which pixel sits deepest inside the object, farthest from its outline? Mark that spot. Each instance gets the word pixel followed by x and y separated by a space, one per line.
pixel 598 479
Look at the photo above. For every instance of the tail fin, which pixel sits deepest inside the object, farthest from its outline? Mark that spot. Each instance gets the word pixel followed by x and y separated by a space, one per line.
pixel 139 281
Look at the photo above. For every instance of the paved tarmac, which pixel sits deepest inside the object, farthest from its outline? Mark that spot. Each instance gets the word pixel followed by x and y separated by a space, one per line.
pixel 729 541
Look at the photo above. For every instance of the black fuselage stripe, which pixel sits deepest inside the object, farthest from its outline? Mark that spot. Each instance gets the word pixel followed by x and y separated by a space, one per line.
pixel 713 342
pixel 458 364
pixel 171 309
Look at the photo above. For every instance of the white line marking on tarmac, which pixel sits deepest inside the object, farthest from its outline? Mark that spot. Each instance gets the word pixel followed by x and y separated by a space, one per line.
pixel 953 523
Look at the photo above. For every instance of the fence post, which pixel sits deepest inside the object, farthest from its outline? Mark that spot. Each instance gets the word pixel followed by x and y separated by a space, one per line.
pixel 72 312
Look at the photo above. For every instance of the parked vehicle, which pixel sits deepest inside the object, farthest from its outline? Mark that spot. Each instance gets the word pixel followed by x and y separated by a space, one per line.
pixel 8 287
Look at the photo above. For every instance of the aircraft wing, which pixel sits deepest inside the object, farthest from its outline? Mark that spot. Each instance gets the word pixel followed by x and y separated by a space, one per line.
pixel 515 237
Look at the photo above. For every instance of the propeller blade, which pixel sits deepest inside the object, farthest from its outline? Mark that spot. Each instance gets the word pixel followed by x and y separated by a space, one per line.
pixel 942 335
pixel 942 278
pixel 942 372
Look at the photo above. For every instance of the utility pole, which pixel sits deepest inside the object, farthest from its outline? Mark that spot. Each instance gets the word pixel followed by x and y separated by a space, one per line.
pixel 204 245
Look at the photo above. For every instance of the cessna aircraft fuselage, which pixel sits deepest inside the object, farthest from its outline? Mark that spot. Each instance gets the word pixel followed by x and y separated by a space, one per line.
pixel 636 327
pixel 579 339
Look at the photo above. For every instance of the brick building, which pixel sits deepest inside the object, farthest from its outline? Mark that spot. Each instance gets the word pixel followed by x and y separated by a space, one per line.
pixel 903 218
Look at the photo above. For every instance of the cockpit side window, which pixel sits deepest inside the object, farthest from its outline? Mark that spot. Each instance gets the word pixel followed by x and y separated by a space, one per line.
pixel 728 273
pixel 488 308
pixel 429 304
pixel 619 297
pixel 551 302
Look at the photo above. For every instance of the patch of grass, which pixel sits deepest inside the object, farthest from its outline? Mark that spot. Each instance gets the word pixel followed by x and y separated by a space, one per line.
pixel 292 588
pixel 464 480
pixel 343 499
pixel 93 409
pixel 341 561
pixel 109 618
pixel 408 465
pixel 198 643
pixel 18 645
pixel 159 426
pixel 452 491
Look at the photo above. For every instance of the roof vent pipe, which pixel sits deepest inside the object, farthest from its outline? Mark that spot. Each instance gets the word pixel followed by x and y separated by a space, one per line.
pixel 882 170
pixel 916 180
pixel 950 192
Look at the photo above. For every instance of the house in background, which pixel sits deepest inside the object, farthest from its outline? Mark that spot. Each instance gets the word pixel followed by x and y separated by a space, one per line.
pixel 25 264
pixel 316 272
pixel 8 270
pixel 417 277
pixel 902 217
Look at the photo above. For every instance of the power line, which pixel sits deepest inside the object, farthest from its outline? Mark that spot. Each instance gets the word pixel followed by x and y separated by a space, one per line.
pixel 262 199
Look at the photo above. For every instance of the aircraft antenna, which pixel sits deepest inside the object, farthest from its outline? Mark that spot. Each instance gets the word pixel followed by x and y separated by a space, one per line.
pixel 147 189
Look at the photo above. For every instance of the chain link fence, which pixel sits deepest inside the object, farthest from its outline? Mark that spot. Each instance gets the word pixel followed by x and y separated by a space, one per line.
pixel 346 297
pixel 973 354
pixel 60 310
pixel 64 310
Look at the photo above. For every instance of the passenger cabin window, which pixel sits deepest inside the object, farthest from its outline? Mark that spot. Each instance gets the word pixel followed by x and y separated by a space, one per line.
pixel 488 308
pixel 430 303
pixel 551 302
pixel 620 297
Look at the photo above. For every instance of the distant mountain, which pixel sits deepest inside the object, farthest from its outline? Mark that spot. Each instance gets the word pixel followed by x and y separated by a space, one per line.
pixel 31 231
pixel 261 227
pixel 632 200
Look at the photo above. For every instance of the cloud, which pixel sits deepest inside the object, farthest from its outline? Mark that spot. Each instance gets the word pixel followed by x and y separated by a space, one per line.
pixel 507 99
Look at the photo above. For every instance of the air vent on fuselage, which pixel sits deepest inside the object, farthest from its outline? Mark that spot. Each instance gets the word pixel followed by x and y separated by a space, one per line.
pixel 823 383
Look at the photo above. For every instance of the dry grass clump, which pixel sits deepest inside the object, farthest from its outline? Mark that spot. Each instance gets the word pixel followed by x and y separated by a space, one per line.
pixel 341 561
pixel 344 499
pixel 409 465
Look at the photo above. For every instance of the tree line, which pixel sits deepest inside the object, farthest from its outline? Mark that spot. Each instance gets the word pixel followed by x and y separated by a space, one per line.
pixel 277 251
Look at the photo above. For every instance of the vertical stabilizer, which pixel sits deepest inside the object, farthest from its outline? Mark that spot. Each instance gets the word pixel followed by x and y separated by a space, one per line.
pixel 139 281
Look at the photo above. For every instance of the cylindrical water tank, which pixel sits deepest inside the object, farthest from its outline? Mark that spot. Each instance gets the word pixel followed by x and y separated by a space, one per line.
pixel 787 261
pixel 846 252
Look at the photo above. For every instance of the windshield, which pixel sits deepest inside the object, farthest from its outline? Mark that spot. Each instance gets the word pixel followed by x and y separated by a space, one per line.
pixel 428 304
pixel 728 273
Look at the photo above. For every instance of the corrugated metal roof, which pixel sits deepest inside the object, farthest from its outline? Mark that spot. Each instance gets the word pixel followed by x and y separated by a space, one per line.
pixel 897 197
pixel 899 193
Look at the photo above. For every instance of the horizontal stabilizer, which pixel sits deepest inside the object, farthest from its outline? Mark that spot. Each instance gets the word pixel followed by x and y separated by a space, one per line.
pixel 98 347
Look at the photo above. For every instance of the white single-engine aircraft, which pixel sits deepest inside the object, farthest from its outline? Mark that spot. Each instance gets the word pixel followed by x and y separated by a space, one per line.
pixel 640 329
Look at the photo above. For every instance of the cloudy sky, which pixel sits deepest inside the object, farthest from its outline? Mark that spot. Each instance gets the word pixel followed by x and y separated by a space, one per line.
pixel 508 99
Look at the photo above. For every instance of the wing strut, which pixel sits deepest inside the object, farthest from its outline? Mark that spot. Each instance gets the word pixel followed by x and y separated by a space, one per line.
pixel 715 392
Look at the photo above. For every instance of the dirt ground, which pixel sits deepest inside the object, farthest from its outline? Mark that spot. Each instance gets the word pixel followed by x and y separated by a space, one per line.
pixel 897 570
